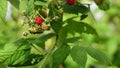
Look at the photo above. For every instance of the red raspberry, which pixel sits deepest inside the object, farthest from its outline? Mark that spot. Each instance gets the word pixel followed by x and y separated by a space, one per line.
pixel 70 2
pixel 38 20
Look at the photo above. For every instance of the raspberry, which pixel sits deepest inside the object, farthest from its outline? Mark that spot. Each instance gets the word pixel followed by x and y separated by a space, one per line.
pixel 70 2
pixel 38 20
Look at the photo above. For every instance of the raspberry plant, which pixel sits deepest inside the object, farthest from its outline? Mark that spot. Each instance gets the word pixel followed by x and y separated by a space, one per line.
pixel 47 19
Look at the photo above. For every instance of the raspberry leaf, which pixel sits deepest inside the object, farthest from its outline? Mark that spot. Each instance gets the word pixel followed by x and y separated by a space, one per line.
pixel 41 40
pixel 17 53
pixel 75 9
pixel 15 3
pixel 103 4
pixel 60 55
pixel 3 9
pixel 98 55
pixel 79 55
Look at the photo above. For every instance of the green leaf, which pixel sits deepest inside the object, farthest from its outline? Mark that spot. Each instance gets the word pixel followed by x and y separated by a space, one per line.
pixel 4 54
pixel 10 48
pixel 80 27
pixel 73 27
pixel 83 16
pixel 15 3
pixel 75 9
pixel 17 58
pixel 116 56
pixel 56 23
pixel 41 40
pixel 41 3
pixel 30 7
pixel 20 58
pixel 23 5
pixel 62 35
pixel 60 55
pixel 20 41
pixel 89 29
pixel 72 40
pixel 98 55
pixel 17 53
pixel 103 4
pixel 64 31
pixel 3 9
pixel 79 55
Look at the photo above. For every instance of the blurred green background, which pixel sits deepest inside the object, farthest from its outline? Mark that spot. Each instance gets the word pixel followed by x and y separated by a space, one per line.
pixel 107 25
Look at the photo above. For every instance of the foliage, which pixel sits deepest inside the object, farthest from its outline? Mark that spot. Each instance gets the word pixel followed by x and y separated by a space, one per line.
pixel 67 34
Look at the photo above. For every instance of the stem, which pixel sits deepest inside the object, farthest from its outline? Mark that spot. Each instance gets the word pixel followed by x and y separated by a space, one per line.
pixel 92 17
pixel 38 49
pixel 39 15
pixel 45 59
pixel 48 55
